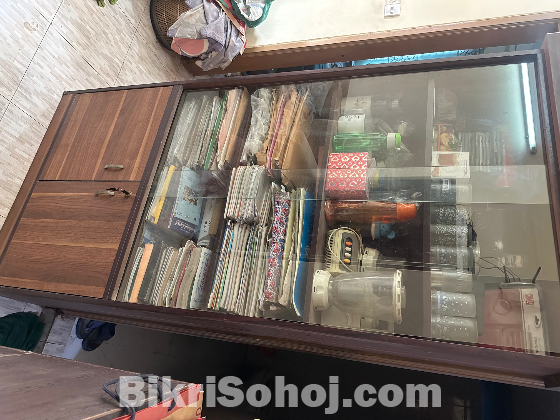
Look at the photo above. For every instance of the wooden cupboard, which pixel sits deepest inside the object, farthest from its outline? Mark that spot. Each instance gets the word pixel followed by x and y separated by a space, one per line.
pixel 71 223
pixel 72 236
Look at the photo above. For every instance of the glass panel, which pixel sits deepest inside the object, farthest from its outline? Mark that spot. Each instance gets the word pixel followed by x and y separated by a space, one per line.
pixel 410 204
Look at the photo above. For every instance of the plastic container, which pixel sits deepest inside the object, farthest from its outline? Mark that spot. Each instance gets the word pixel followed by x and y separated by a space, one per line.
pixel 453 304
pixel 365 142
pixel 367 212
pixel 450 191
pixel 454 328
pixel 456 257
pixel 378 295
pixel 451 281
pixel 450 235
pixel 449 215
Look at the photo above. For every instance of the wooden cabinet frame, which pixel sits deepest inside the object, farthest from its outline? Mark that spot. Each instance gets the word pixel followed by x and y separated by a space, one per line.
pixel 398 351
pixel 494 32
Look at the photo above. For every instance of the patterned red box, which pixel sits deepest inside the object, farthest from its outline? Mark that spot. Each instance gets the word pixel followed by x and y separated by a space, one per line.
pixel 347 176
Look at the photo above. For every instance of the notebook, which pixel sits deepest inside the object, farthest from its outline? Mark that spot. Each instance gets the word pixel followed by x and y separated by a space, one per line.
pixel 148 249
pixel 188 278
pixel 301 277
pixel 161 195
pixel 187 213
pixel 196 299
pixel 133 274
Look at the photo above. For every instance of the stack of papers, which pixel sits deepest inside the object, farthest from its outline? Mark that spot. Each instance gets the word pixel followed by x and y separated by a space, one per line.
pixel 211 130
pixel 177 281
pixel 285 146
pixel 249 197
pixel 241 269
pixel 243 256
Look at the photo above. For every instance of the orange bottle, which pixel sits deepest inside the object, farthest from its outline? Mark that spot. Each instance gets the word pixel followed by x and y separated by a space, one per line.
pixel 366 212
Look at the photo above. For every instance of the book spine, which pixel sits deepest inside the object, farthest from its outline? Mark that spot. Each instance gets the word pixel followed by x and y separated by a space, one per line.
pixel 157 210
pixel 133 273
pixel 196 300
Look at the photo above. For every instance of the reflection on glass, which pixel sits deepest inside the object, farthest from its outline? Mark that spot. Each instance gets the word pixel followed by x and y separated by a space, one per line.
pixel 406 204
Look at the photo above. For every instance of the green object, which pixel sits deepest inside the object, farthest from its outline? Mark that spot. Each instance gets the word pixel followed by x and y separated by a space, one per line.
pixel 101 3
pixel 365 142
pixel 21 330
pixel 249 23
pixel 215 134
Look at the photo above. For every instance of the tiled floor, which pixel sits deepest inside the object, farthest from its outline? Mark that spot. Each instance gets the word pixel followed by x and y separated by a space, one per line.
pixel 51 46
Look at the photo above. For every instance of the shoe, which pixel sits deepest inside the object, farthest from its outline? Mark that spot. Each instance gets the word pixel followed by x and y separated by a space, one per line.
pixel 85 326
pixel 98 335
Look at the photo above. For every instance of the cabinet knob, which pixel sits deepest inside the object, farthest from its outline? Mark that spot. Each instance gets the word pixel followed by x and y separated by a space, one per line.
pixel 114 167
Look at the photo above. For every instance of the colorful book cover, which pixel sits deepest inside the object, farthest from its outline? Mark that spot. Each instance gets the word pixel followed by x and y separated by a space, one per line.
pixel 187 214
pixel 162 194
pixel 279 227
pixel 170 200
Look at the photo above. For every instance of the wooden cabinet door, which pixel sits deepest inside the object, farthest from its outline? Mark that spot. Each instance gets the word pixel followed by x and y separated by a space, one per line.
pixel 67 238
pixel 107 135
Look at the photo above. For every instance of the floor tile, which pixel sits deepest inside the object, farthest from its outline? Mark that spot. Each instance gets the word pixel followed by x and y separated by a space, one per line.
pixel 102 35
pixel 133 9
pixel 10 306
pixel 172 62
pixel 4 102
pixel 21 29
pixel 57 67
pixel 20 136
pixel 141 66
pixel 47 8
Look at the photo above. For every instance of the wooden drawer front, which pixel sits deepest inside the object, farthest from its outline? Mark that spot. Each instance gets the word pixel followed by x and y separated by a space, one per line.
pixel 107 128
pixel 67 238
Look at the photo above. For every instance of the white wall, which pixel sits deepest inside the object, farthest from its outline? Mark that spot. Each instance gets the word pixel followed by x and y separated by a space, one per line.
pixel 300 20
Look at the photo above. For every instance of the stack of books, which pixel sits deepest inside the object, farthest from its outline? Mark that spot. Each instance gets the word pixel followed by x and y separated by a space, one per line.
pixel 242 261
pixel 175 279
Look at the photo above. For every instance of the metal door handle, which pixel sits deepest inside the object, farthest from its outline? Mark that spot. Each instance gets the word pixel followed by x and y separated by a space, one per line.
pixel 112 191
pixel 125 192
pixel 114 167
pixel 105 192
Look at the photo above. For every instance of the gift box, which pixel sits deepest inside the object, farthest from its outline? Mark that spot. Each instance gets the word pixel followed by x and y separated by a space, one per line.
pixel 347 176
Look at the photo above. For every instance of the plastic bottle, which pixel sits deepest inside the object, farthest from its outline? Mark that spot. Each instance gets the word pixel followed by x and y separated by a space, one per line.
pixel 368 211
pixel 365 142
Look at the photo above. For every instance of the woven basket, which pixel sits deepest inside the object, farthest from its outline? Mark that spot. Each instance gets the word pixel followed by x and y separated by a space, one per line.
pixel 163 14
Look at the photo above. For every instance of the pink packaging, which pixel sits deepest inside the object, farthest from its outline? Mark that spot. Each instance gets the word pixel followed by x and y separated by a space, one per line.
pixel 347 176
pixel 513 320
